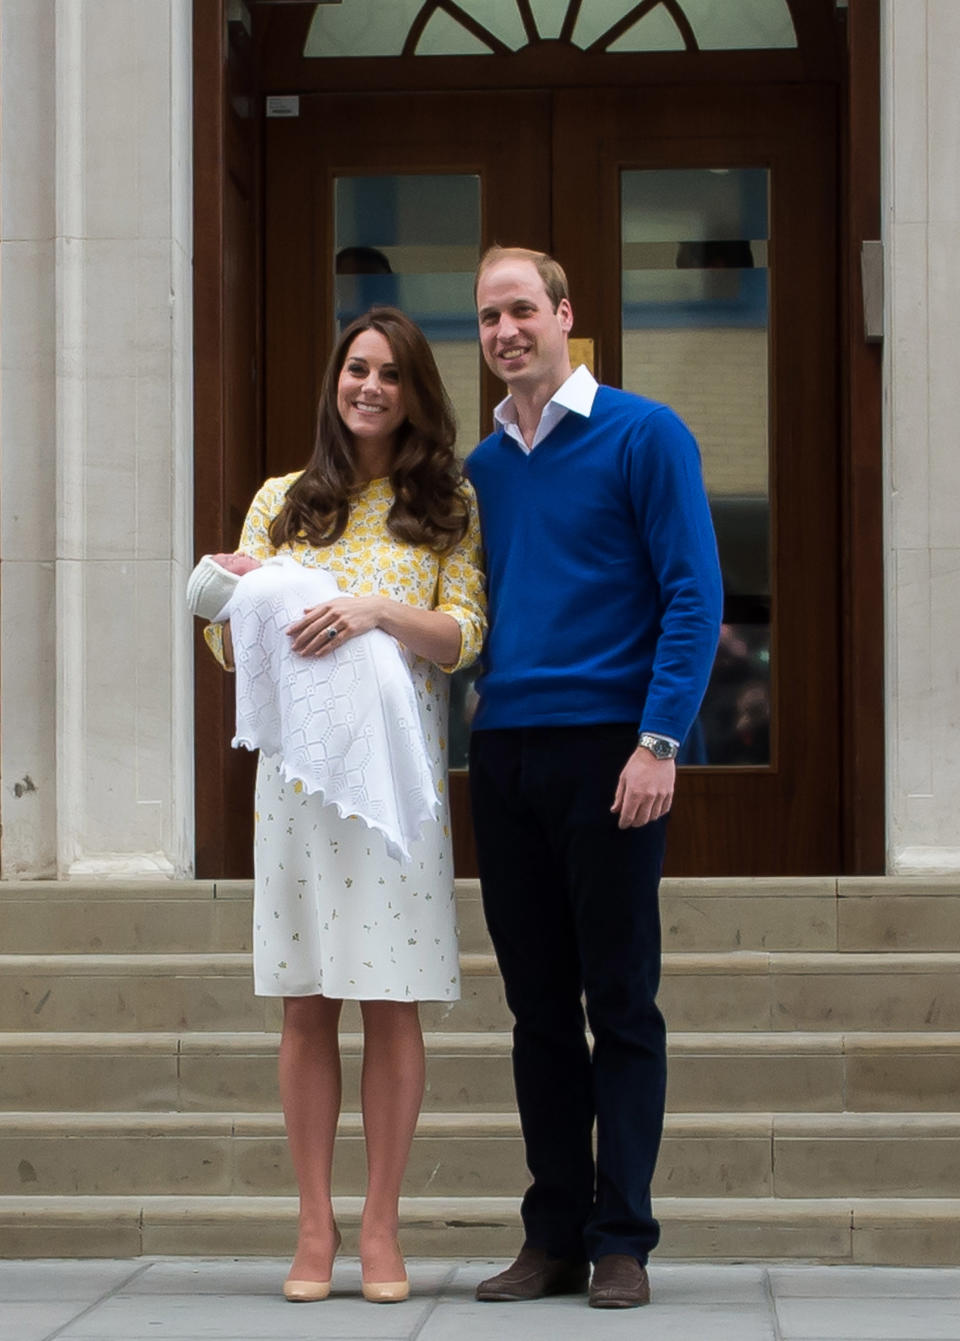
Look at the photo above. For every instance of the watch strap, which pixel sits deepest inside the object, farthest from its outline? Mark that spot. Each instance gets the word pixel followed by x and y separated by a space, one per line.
pixel 661 747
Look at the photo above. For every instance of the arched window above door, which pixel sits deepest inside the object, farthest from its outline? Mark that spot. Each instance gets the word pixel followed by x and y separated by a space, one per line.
pixel 364 28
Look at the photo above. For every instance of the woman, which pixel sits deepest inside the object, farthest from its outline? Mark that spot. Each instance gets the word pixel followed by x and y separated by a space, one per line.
pixel 383 507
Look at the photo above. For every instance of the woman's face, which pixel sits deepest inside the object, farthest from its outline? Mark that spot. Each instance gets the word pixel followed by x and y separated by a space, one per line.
pixel 369 395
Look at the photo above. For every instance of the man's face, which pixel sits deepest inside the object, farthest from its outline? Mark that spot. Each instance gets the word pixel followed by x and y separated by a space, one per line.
pixel 523 340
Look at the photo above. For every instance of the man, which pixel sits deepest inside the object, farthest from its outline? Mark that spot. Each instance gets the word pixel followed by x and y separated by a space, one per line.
pixel 605 603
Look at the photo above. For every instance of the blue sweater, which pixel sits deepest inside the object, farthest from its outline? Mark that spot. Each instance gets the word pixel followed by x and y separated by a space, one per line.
pixel 602 572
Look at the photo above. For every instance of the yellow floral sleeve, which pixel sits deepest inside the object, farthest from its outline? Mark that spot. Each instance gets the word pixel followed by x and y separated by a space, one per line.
pixel 213 637
pixel 254 541
pixel 460 588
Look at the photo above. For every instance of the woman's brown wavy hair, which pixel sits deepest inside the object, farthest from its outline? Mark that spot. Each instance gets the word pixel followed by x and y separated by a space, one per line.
pixel 429 507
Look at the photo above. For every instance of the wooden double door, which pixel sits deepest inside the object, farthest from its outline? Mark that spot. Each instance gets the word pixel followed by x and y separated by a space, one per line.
pixel 698 229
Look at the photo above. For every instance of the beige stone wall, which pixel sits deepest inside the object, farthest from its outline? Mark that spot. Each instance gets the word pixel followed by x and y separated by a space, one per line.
pixel 28 431
pixel 96 375
pixel 921 228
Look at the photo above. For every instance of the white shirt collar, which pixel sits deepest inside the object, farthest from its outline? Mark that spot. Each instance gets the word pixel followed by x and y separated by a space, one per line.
pixel 576 393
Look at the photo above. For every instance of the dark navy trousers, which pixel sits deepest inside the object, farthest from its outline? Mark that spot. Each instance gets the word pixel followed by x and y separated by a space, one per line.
pixel 571 902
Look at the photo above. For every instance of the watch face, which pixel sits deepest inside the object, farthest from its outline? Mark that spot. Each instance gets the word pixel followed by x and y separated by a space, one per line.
pixel 660 749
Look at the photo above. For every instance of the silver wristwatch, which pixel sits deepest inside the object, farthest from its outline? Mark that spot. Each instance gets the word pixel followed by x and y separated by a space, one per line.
pixel 659 746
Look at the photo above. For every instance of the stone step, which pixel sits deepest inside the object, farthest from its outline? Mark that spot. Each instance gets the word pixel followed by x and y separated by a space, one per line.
pixel 125 917
pixel 179 917
pixel 788 1155
pixel 734 1072
pixel 740 991
pixel 874 1231
pixel 867 1071
pixel 847 913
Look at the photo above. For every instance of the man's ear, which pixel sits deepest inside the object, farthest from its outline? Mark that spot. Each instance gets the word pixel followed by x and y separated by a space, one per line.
pixel 565 313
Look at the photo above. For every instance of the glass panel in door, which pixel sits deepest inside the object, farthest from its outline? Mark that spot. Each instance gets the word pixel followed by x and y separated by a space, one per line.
pixel 413 241
pixel 695 334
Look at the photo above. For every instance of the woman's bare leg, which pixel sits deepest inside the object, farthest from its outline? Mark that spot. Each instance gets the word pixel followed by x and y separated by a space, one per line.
pixel 310 1088
pixel 391 1094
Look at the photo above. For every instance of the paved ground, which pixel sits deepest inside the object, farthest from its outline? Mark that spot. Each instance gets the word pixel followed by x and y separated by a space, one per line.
pixel 187 1299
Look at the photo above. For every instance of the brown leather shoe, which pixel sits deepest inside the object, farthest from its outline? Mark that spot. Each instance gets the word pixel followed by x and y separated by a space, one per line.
pixel 619 1282
pixel 534 1276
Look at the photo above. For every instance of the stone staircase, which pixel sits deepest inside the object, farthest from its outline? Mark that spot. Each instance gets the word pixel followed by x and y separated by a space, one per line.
pixel 814 1102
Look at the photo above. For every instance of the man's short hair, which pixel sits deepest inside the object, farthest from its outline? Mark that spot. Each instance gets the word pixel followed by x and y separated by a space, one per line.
pixel 549 270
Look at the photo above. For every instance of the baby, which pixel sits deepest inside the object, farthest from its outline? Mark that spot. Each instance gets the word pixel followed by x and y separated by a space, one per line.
pixel 212 583
pixel 345 726
pixel 236 563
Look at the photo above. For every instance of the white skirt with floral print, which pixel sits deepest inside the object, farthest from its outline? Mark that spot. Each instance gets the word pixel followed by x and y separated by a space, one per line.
pixel 333 914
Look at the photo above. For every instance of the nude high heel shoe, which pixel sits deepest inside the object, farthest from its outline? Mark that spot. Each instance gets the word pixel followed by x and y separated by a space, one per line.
pixel 310 1291
pixel 305 1291
pixel 386 1291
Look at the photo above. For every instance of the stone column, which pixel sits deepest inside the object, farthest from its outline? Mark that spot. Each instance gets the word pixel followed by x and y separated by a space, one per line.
pixel 28 540
pixel 921 134
pixel 99 463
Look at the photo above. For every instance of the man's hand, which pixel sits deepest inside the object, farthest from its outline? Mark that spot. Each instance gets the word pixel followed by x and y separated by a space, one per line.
pixel 644 789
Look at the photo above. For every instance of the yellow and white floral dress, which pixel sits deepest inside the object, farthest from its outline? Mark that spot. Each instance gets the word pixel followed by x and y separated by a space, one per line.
pixel 333 913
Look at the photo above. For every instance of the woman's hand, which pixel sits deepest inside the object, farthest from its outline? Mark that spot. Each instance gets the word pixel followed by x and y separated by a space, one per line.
pixel 333 623
pixel 427 633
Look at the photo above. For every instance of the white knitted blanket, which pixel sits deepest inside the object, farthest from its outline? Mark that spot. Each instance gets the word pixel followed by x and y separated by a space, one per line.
pixel 345 724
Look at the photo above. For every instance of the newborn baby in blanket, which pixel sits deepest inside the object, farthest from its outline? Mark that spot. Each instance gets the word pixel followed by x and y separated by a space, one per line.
pixel 345 725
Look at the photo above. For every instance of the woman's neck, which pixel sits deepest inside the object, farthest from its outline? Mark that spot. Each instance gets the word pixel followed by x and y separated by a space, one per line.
pixel 373 458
